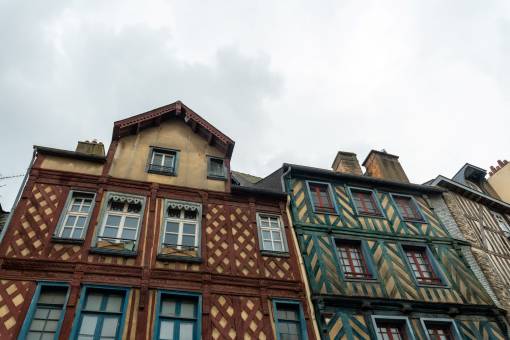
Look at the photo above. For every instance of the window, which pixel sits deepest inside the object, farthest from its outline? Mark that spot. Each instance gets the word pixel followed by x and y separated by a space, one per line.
pixel 502 223
pixel 407 208
pixel 388 329
pixel 178 317
pixel 439 331
pixel 163 161
pixel 421 265
pixel 289 321
pixel 46 313
pixel 119 230
pixel 216 168
pixel 365 202
pixel 352 261
pixel 321 197
pixel 181 229
pixel 101 314
pixel 76 216
pixel 271 233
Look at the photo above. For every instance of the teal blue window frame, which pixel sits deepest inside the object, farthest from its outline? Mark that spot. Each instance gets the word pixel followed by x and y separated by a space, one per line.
pixel 393 318
pixel 167 151
pixel 183 294
pixel 83 296
pixel 367 256
pixel 302 321
pixel 210 175
pixel 454 329
pixel 331 197
pixel 373 193
pixel 102 220
pixel 33 306
pixel 413 201
pixel 64 213
pixel 436 266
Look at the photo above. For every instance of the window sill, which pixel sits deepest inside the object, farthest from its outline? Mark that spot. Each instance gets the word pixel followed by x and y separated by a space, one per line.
pixel 275 253
pixel 123 253
pixel 325 212
pixel 382 217
pixel 413 220
pixel 176 258
pixel 163 173
pixel 56 239
pixel 349 279
pixel 217 178
pixel 432 285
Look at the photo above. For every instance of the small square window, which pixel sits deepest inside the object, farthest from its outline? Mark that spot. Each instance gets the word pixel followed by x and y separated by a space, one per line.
pixel 321 197
pixel 407 208
pixel 163 162
pixel 388 329
pixel 352 260
pixel 216 168
pixel 421 265
pixel 365 202
pixel 439 330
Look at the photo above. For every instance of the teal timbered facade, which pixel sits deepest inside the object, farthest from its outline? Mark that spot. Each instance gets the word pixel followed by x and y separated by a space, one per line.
pixel 380 263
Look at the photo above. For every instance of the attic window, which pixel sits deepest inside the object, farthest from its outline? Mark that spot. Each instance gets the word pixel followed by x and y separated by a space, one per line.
pixel 216 168
pixel 163 161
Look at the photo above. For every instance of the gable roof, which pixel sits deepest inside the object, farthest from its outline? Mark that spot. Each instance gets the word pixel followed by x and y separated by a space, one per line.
pixel 199 125
pixel 469 172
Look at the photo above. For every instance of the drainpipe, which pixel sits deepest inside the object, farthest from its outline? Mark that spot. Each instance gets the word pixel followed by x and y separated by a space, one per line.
pixel 16 201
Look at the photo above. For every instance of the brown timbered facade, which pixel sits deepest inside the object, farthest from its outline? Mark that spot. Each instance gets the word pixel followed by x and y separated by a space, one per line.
pixel 153 240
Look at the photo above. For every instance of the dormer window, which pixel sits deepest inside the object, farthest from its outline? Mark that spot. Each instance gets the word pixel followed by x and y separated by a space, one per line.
pixel 502 223
pixel 163 161
pixel 216 168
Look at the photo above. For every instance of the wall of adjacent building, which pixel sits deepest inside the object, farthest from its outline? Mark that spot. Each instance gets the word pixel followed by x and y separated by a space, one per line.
pixel 500 182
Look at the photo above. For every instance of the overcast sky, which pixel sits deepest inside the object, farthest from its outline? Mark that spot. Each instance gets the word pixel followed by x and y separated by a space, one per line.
pixel 289 81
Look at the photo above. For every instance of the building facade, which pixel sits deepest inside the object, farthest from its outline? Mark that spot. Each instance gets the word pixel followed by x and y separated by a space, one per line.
pixel 153 240
pixel 499 179
pixel 379 261
pixel 483 220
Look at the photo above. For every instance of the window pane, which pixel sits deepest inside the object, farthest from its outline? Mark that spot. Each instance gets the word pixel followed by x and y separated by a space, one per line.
pixel 186 331
pixel 93 301
pixel 169 161
pixel 109 327
pixel 172 227
pixel 216 167
pixel 175 213
pixel 114 303
pixel 110 232
pixel 37 325
pixel 70 221
pixel 188 228
pixel 33 336
pixel 77 233
pixel 131 222
pixel 277 246
pixel 66 232
pixel 188 309
pixel 277 236
pixel 190 214
pixel 54 314
pixel 134 208
pixel 75 206
pixel 53 295
pixel 51 326
pixel 264 221
pixel 166 330
pixel 81 221
pixel 188 241
pixel 129 234
pixel 41 313
pixel 157 159
pixel 116 206
pixel 170 239
pixel 113 220
pixel 266 235
pixel 268 245
pixel 168 307
pixel 48 336
pixel 88 325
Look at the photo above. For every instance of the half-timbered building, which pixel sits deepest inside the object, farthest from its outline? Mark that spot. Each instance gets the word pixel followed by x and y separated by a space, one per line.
pixel 484 221
pixel 380 262
pixel 154 240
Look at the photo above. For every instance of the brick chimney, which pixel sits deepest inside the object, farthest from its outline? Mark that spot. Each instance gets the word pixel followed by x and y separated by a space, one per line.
pixel 347 163
pixel 93 148
pixel 381 164
pixel 501 165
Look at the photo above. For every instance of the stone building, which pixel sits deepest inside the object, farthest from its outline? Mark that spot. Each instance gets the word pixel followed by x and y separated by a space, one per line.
pixel 154 240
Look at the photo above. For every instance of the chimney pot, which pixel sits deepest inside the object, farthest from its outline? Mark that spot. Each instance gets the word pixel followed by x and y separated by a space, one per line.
pixel 381 164
pixel 91 148
pixel 347 163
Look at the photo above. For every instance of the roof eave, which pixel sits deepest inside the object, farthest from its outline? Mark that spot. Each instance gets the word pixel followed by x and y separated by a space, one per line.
pixel 69 154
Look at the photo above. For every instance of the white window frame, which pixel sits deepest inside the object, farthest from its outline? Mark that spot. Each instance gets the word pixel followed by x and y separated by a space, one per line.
pixel 164 155
pixel 501 221
pixel 390 318
pixel 123 215
pixel 73 195
pixel 270 229
pixel 181 221
pixel 455 331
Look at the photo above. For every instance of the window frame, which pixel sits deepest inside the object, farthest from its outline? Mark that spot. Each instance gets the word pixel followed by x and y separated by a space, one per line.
pixel 198 236
pixel 166 151
pixel 102 222
pixel 413 201
pixel 331 197
pixel 33 306
pixel 393 318
pixel 285 246
pixel 435 265
pixel 64 213
pixel 453 326
pixel 210 175
pixel 78 315
pixel 375 199
pixel 365 253
pixel 162 293
pixel 302 320
pixel 495 215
